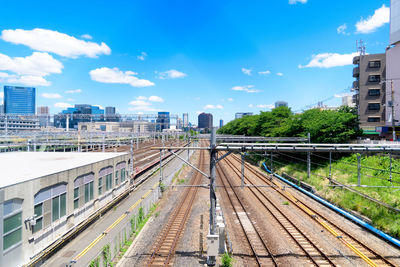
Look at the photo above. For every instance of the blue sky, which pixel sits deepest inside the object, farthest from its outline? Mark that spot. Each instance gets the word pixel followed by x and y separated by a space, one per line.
pixel 182 56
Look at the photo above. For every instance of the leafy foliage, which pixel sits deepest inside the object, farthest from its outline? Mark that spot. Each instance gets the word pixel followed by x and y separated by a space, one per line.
pixel 324 126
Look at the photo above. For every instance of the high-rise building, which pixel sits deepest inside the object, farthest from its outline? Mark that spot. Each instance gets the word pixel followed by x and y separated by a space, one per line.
pixel 205 121
pixel 221 123
pixel 162 121
pixel 19 100
pixel 281 104
pixel 44 116
pixel 110 111
pixel 239 115
pixel 1 109
pixel 370 95
pixel 185 120
pixel 179 123
pixel 393 66
pixel 79 113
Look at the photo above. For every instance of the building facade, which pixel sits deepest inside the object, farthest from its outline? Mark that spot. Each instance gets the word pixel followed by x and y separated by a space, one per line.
pixel 185 120
pixel 12 122
pixel 221 123
pixel 19 100
pixel 70 117
pixel 43 115
pixel 239 115
pixel 370 97
pixel 50 194
pixel 205 121
pixel 163 121
pixel 393 66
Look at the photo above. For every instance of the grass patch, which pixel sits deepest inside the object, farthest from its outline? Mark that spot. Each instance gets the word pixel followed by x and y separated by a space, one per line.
pixel 286 203
pixel 176 176
pixel 344 170
pixel 227 260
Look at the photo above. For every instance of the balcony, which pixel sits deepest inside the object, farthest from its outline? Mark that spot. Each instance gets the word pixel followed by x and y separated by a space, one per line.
pixel 356 60
pixel 356 85
pixel 356 72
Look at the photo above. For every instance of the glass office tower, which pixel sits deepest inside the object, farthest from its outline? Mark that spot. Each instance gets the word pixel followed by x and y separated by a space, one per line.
pixel 19 100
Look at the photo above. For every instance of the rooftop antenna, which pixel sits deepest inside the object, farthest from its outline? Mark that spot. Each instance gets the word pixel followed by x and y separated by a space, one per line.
pixel 360 47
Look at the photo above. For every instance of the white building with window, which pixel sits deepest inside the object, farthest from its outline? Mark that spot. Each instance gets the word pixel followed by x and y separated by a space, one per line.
pixel 43 195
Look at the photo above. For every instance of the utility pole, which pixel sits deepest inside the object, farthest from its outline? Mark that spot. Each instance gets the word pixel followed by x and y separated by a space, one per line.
pixel 393 120
pixel 309 158
pixel 213 199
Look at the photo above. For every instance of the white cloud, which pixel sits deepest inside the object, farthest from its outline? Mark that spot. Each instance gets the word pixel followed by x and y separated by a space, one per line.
pixel 263 106
pixel 342 95
pixel 380 17
pixel 245 88
pixel 329 60
pixel 141 104
pixel 230 99
pixel 155 98
pixel 342 29
pixel 70 99
pixel 76 91
pixel 247 71
pixel 29 70
pixel 1 94
pixel 264 72
pixel 279 74
pixel 114 75
pixel 172 74
pixel 55 42
pixel 24 79
pixel 51 95
pixel 142 56
pixel 37 64
pixel 100 106
pixel 292 2
pixel 87 36
pixel 63 105
pixel 209 106
pixel 266 106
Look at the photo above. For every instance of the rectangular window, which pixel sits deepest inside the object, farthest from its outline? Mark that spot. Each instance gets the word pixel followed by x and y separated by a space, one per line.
pixel 374 106
pixel 12 222
pixel 376 64
pixel 55 208
pixel 88 191
pixel 100 186
pixel 374 92
pixel 12 238
pixel 76 197
pixel 63 205
pixel 374 78
pixel 374 119
pixel 108 181
pixel 38 211
pixel 122 175
pixel 116 177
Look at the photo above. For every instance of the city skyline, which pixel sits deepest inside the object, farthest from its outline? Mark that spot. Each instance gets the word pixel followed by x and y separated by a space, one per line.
pixel 195 58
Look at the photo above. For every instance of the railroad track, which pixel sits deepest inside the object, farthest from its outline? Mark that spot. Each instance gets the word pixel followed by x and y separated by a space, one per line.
pixel 366 253
pixel 253 235
pixel 164 248
pixel 309 247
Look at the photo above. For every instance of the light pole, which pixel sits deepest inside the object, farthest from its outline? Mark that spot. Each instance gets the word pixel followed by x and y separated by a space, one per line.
pixel 393 120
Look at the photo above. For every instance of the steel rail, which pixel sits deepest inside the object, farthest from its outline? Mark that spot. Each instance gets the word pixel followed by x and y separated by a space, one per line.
pixel 332 227
pixel 223 177
pixel 287 220
pixel 177 220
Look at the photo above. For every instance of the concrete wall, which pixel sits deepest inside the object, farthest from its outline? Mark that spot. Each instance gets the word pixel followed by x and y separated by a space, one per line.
pixel 33 243
pixel 393 72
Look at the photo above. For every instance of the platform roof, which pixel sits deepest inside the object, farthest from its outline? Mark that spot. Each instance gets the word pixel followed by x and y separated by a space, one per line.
pixel 19 167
